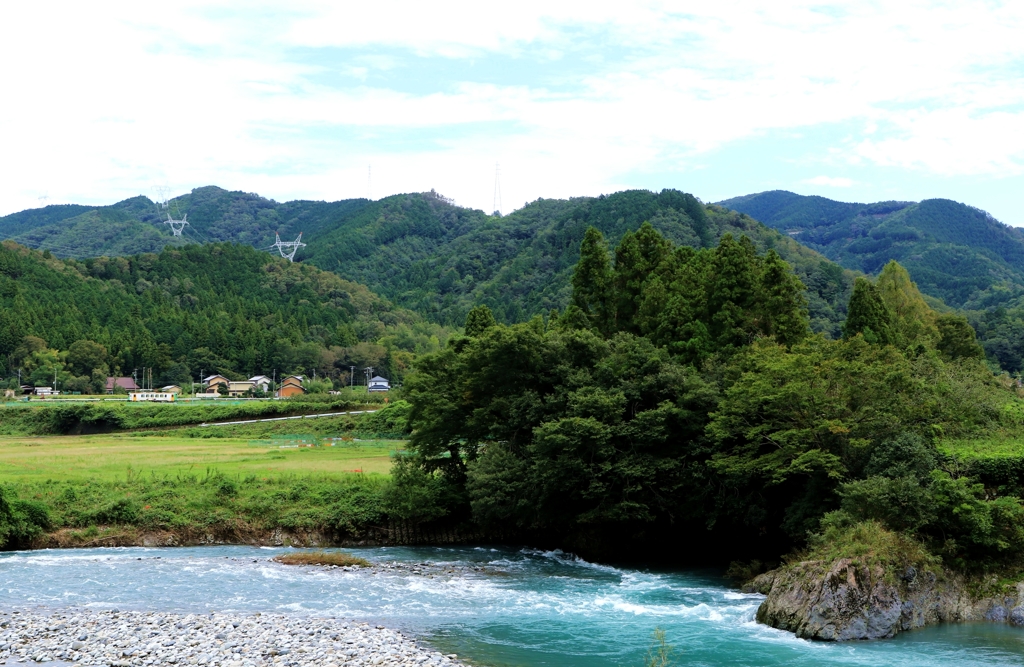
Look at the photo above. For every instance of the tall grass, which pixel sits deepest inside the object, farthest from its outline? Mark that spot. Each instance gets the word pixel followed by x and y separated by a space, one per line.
pixel 215 503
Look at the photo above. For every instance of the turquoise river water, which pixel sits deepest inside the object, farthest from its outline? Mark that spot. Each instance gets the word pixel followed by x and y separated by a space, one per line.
pixel 494 607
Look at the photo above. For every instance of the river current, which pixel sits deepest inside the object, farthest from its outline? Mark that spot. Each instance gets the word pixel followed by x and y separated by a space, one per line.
pixel 495 607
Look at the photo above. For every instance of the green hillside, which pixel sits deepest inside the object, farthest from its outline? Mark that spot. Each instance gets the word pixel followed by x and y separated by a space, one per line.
pixel 221 308
pixel 954 252
pixel 422 251
pixel 440 260
pixel 136 225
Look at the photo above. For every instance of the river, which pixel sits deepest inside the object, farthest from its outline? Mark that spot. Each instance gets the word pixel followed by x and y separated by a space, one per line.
pixel 498 607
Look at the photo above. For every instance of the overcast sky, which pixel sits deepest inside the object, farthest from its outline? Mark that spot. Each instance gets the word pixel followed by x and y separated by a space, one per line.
pixel 856 101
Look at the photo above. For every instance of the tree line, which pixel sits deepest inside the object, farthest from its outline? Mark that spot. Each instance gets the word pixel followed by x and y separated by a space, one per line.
pixel 682 396
pixel 216 308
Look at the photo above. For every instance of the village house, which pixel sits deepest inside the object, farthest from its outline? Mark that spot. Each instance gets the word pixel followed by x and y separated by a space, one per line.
pixel 171 389
pixel 261 382
pixel 128 384
pixel 213 382
pixel 238 388
pixel 291 386
pixel 378 384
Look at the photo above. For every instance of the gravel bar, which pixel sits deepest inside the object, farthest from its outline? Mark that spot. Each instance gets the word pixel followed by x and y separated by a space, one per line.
pixel 136 639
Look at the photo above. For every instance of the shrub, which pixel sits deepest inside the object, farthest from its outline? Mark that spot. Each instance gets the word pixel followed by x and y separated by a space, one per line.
pixel 21 520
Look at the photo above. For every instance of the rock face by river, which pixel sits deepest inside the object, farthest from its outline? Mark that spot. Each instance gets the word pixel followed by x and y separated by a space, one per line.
pixel 845 599
pixel 139 639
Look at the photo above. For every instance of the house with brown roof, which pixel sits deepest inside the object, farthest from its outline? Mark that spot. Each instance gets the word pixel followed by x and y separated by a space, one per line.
pixel 128 384
pixel 291 386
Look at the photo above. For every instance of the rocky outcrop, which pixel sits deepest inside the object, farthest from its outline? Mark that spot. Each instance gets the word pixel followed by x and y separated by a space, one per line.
pixel 850 599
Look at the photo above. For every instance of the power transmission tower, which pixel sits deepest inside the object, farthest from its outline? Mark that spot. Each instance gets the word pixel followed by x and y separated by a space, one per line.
pixel 288 248
pixel 177 226
pixel 497 188
pixel 162 191
pixel 369 182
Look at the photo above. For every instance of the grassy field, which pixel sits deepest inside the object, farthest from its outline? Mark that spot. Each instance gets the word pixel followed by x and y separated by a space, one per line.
pixel 109 457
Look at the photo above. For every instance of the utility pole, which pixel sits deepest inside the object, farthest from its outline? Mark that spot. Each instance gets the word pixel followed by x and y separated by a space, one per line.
pixel 351 376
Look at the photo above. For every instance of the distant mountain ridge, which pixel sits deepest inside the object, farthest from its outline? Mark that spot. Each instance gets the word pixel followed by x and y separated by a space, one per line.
pixel 954 252
pixel 422 251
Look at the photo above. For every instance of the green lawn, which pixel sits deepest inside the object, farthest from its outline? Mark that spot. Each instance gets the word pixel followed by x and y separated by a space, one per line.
pixel 109 457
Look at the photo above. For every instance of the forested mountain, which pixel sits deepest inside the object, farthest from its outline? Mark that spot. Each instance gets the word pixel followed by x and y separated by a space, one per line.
pixel 425 253
pixel 136 225
pixel 954 252
pixel 441 260
pixel 223 308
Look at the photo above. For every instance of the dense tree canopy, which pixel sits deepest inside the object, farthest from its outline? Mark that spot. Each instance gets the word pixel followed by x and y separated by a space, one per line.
pixel 683 391
pixel 218 308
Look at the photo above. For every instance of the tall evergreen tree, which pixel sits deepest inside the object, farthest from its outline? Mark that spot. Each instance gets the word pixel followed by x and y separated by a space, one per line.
pixel 479 320
pixel 592 282
pixel 957 338
pixel 913 321
pixel 638 257
pixel 868 315
pixel 782 306
pixel 732 292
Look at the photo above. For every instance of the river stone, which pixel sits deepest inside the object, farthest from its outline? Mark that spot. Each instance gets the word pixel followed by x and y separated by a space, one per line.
pixel 1017 616
pixel 846 599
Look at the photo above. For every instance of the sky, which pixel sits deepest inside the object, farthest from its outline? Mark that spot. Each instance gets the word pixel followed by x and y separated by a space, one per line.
pixel 855 101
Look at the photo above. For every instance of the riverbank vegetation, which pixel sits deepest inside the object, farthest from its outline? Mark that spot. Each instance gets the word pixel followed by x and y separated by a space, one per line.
pixel 682 397
pixel 247 483
pixel 198 507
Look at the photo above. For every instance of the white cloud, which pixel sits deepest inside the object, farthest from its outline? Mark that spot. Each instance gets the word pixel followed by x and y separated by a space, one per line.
pixel 831 181
pixel 104 100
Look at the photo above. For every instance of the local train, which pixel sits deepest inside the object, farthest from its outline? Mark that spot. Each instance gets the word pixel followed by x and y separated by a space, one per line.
pixel 158 396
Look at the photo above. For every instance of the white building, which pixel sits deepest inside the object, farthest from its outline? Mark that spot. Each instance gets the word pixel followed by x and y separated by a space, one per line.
pixel 262 382
pixel 378 384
